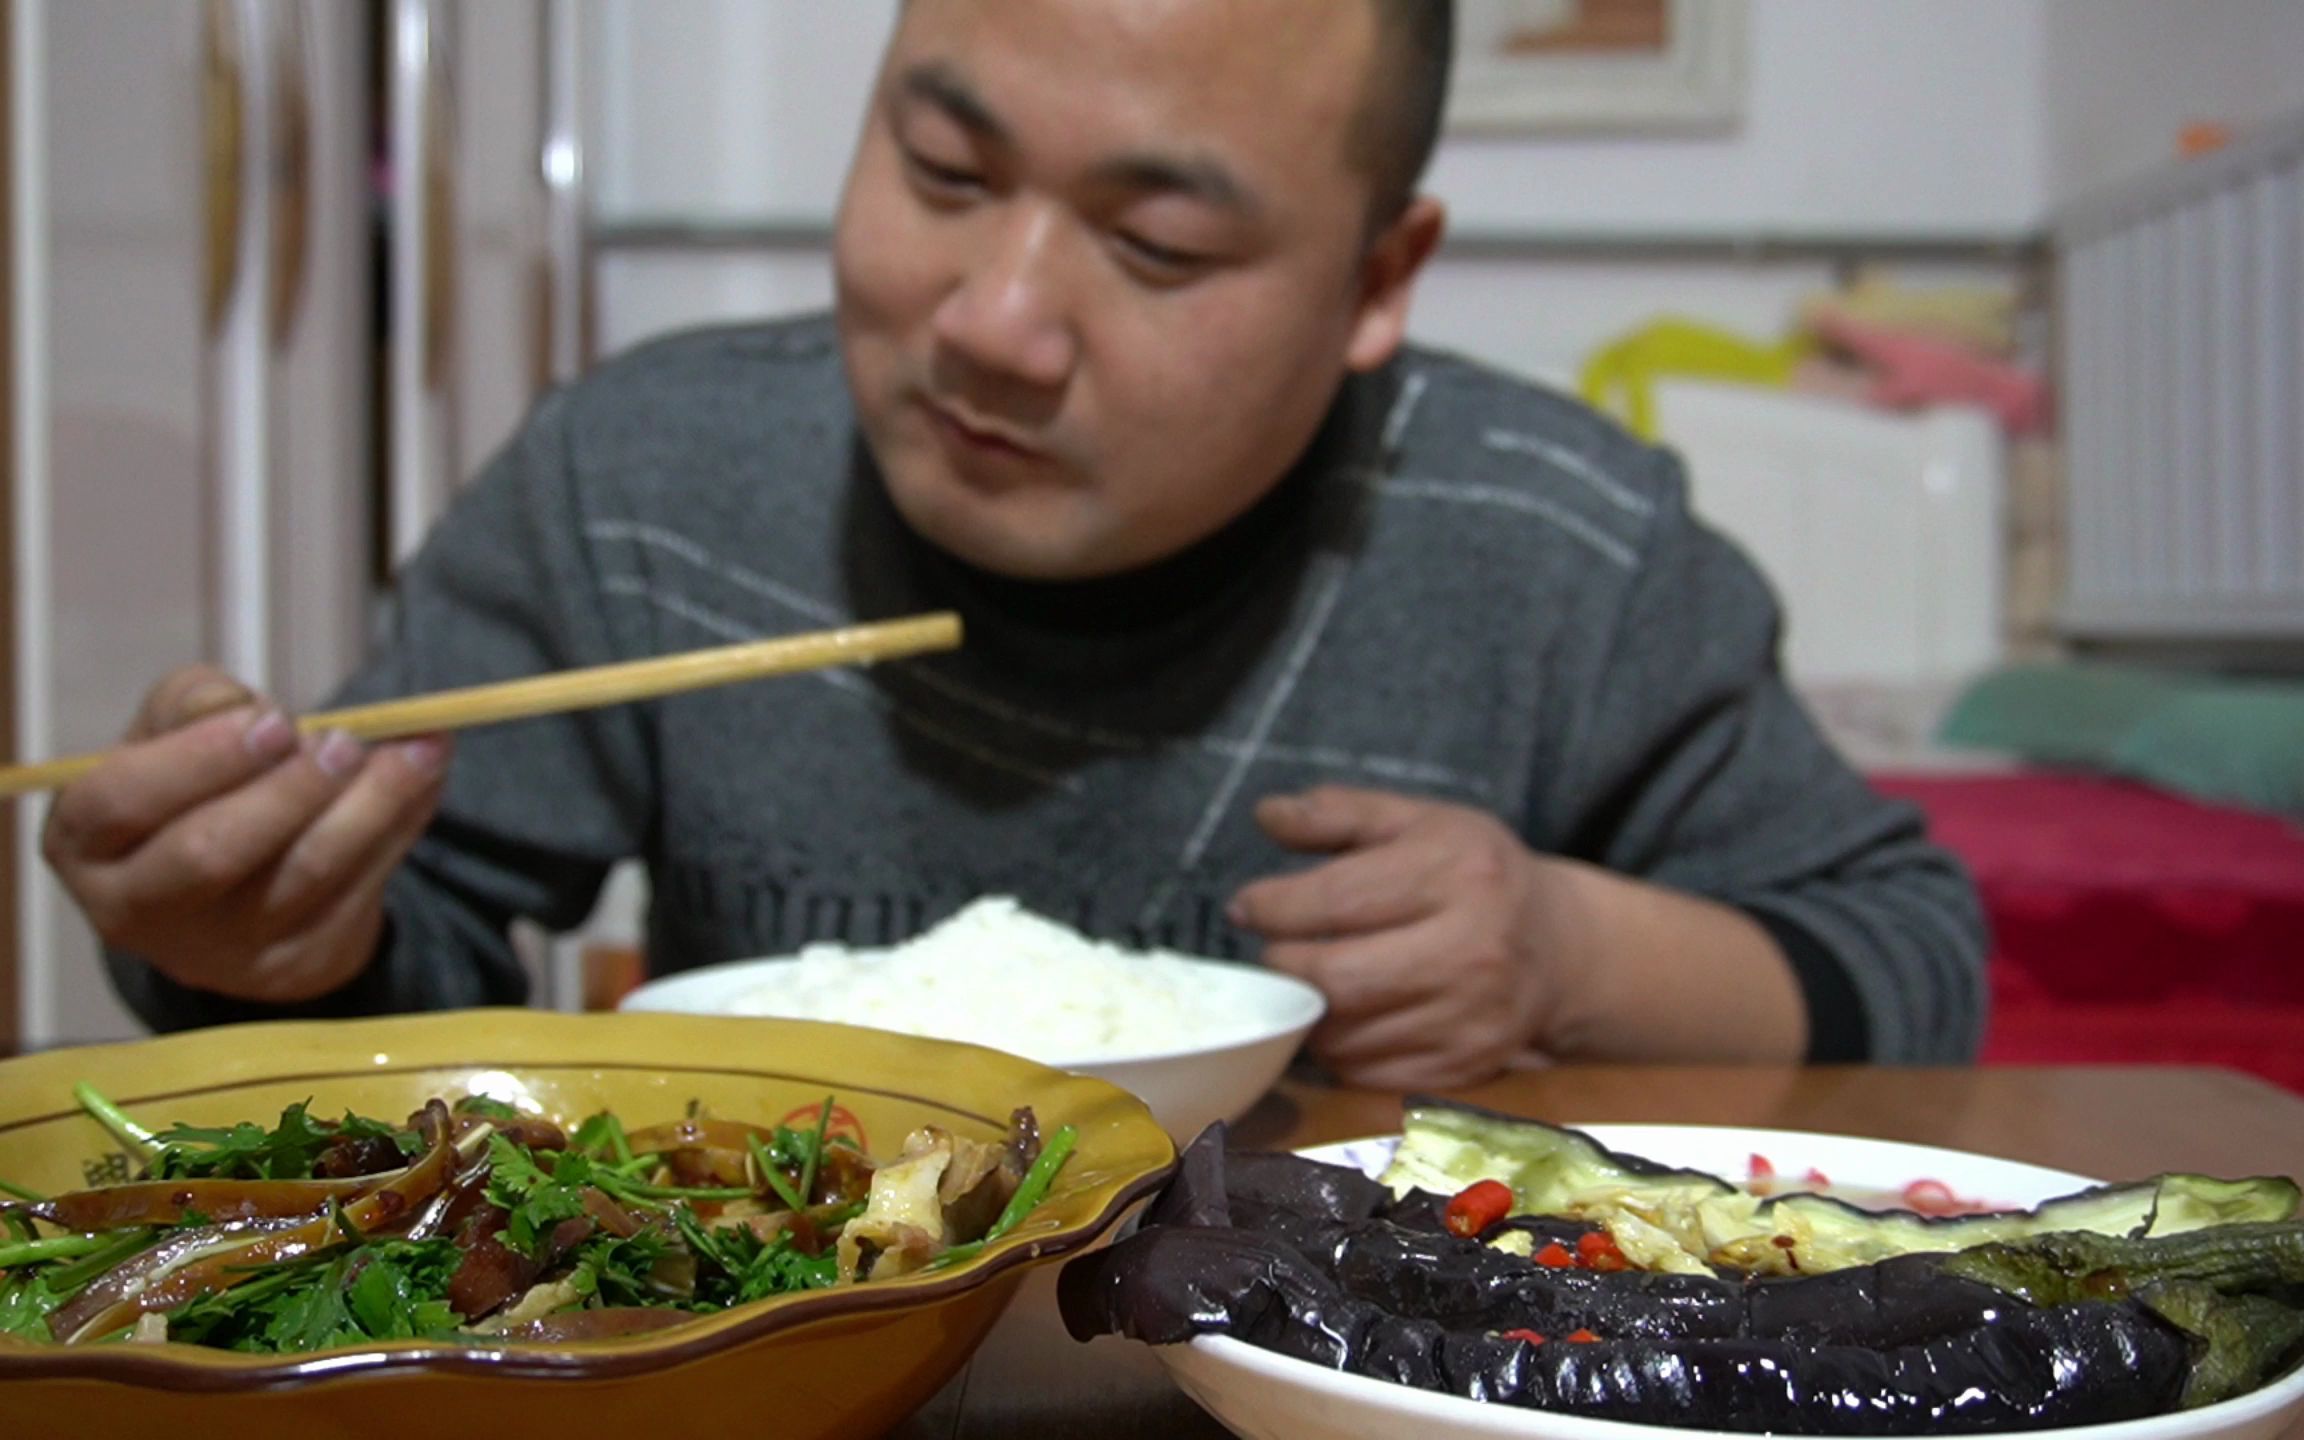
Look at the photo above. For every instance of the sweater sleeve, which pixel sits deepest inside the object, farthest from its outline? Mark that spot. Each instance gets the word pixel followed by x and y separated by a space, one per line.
pixel 1694 766
pixel 535 811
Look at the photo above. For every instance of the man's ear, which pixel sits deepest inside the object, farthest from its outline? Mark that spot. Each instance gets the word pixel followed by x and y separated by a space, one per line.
pixel 1388 279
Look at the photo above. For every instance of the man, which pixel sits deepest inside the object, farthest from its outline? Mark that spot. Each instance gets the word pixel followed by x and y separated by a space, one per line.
pixel 1117 372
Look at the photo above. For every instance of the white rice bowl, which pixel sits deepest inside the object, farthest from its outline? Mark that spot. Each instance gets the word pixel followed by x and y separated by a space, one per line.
pixel 1199 1040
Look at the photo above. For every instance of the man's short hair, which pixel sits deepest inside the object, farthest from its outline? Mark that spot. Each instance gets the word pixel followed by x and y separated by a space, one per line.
pixel 1399 122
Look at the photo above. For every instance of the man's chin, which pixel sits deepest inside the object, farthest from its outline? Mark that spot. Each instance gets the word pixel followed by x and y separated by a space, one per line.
pixel 1019 558
pixel 999 534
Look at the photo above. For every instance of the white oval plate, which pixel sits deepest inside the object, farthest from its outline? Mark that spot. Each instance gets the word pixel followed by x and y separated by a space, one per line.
pixel 1264 1396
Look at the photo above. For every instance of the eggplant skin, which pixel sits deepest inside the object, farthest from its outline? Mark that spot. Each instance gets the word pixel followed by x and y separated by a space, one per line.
pixel 1467 1285
pixel 2032 1369
pixel 2023 1368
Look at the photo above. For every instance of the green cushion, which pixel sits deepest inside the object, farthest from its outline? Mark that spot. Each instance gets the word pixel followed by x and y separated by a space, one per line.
pixel 2060 714
pixel 2236 742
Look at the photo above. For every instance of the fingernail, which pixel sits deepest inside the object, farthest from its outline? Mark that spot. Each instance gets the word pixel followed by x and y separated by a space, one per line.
pixel 425 756
pixel 269 736
pixel 338 754
pixel 1236 911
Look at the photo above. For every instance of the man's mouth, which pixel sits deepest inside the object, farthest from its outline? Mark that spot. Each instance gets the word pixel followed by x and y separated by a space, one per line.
pixel 979 436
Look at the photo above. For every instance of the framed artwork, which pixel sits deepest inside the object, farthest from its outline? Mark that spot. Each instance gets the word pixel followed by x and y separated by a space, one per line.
pixel 1532 67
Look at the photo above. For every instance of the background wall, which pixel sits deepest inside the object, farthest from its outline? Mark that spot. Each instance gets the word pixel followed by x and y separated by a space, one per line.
pixel 2123 77
pixel 1874 116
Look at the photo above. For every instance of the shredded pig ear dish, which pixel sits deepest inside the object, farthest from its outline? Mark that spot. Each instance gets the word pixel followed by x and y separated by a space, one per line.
pixel 472 1220
pixel 1522 1264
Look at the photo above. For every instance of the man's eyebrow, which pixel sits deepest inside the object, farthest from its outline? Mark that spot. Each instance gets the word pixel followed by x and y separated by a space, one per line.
pixel 1195 176
pixel 1201 177
pixel 942 86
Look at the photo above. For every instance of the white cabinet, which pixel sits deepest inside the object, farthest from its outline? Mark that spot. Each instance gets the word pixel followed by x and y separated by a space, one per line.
pixel 475 333
pixel 280 285
pixel 192 408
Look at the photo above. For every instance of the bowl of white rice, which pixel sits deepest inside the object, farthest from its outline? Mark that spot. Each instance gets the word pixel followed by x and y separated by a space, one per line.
pixel 1198 1040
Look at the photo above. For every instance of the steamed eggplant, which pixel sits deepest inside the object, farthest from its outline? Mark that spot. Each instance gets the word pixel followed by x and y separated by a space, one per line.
pixel 2034 1327
pixel 1675 1219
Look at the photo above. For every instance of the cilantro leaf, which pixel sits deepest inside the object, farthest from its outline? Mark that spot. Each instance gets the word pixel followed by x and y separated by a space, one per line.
pixel 401 1291
pixel 311 1317
pixel 631 1270
pixel 535 1199
pixel 603 1137
pixel 791 1148
pixel 743 1267
pixel 24 1307
pixel 247 1151
pixel 360 1127
pixel 780 1268
pixel 387 1290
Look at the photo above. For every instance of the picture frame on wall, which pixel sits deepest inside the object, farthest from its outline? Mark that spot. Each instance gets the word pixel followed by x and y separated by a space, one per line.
pixel 1596 67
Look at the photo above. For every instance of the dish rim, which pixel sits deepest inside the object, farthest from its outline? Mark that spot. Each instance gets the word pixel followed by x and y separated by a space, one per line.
pixel 198 1369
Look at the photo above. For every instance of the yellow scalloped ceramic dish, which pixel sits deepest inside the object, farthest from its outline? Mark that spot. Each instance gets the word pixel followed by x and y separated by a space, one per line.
pixel 849 1361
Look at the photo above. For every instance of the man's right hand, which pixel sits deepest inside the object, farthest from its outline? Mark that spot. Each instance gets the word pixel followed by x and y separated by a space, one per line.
pixel 234 854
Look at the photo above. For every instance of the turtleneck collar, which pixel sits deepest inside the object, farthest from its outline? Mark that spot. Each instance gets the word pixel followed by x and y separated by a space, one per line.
pixel 1113 624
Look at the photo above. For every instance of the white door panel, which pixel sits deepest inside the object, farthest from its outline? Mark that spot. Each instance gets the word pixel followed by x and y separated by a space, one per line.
pixel 133 556
pixel 470 318
pixel 191 482
pixel 323 371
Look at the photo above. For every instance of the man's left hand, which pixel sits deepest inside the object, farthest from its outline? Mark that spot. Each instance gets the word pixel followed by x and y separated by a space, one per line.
pixel 1426 932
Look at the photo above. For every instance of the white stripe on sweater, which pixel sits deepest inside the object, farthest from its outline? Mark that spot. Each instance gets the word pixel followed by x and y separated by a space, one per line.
pixel 1614 491
pixel 674 543
pixel 1496 496
pixel 1291 672
pixel 1396 424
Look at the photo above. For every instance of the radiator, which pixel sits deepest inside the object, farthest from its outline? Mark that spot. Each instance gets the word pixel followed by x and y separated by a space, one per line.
pixel 2180 301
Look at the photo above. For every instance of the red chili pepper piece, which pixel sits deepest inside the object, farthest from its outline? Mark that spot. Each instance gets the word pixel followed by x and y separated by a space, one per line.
pixel 1819 1179
pixel 1598 1250
pixel 1528 1335
pixel 1582 1337
pixel 1931 1197
pixel 1555 1256
pixel 1477 1206
pixel 1762 1175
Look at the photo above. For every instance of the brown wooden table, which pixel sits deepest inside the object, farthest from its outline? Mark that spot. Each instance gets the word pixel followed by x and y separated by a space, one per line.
pixel 1030 1380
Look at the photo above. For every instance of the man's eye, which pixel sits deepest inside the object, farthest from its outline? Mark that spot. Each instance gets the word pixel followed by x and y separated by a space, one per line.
pixel 938 176
pixel 1164 258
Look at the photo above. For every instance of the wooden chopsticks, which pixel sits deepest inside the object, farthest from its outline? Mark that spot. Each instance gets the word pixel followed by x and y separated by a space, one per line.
pixel 583 689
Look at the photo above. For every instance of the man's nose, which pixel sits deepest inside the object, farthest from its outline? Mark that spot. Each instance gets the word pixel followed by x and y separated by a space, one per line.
pixel 1010 314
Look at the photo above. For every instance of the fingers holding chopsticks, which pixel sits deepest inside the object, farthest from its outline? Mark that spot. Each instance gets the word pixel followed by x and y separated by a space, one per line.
pixel 171 763
pixel 217 837
pixel 193 692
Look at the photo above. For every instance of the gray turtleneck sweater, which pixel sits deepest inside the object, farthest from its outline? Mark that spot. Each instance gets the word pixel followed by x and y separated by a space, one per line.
pixel 1470 589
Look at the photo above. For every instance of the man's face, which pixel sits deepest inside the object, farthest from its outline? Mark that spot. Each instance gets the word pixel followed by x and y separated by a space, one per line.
pixel 1101 265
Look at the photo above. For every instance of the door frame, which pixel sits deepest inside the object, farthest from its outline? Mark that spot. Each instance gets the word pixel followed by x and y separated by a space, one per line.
pixel 11 984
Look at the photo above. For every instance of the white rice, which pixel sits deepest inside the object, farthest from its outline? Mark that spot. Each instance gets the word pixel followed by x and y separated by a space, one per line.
pixel 996 974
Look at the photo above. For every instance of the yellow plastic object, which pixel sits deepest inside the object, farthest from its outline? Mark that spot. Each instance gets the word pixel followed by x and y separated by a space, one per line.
pixel 848 1361
pixel 1619 378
